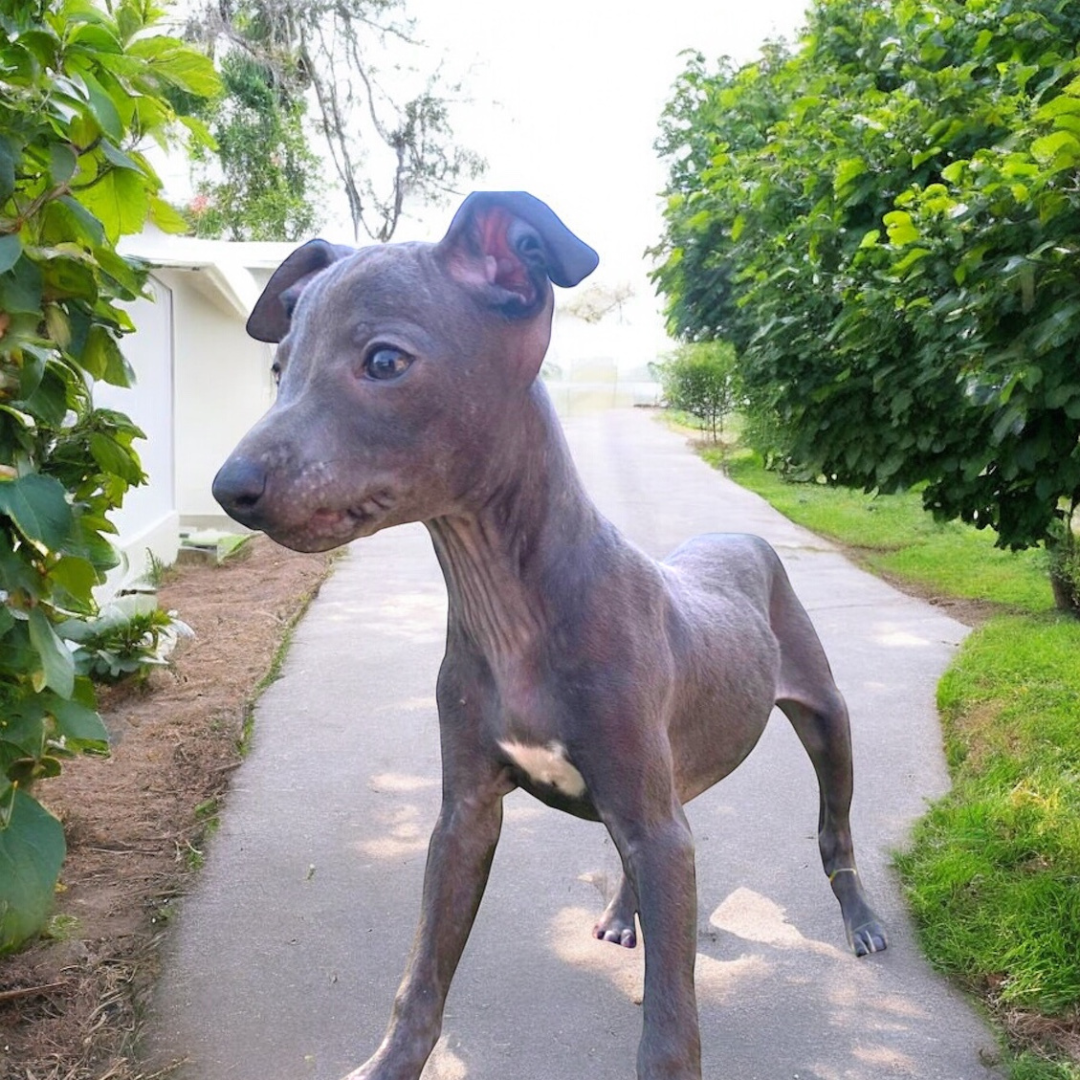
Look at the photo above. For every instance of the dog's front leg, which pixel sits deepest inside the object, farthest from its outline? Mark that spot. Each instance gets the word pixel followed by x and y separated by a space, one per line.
pixel 459 859
pixel 658 859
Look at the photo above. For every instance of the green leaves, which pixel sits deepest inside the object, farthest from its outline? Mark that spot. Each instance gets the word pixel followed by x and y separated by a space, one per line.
pixel 81 91
pixel 38 507
pixel 901 279
pixel 32 851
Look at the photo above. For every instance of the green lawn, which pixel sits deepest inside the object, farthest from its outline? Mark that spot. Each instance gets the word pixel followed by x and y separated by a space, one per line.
pixel 893 535
pixel 993 870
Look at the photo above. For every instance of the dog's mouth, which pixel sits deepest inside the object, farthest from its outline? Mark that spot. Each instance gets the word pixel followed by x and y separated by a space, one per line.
pixel 329 527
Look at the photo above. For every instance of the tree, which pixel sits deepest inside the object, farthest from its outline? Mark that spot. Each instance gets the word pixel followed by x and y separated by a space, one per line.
pixel 884 221
pixel 596 302
pixel 699 379
pixel 261 181
pixel 382 151
pixel 82 89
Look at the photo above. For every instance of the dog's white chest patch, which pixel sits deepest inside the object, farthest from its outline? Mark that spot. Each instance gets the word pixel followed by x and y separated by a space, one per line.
pixel 547 765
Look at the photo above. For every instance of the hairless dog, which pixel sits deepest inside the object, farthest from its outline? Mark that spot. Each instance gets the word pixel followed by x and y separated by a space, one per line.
pixel 605 684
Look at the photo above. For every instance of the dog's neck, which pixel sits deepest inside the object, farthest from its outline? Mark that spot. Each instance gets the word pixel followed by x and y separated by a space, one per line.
pixel 505 558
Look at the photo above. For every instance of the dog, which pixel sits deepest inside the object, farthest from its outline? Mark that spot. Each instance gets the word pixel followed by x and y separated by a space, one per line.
pixel 606 684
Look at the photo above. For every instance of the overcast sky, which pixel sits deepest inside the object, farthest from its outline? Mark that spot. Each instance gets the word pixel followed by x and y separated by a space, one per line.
pixel 563 99
pixel 566 95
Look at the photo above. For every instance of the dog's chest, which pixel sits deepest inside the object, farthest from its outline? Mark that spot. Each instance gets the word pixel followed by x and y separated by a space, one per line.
pixel 546 766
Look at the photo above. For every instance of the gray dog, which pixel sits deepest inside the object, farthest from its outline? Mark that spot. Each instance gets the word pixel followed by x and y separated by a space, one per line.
pixel 605 684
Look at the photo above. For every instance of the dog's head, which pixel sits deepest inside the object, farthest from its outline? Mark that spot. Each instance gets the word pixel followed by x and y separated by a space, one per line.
pixel 400 368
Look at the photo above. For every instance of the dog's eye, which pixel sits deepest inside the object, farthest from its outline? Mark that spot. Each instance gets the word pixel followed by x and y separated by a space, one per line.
pixel 386 362
pixel 275 371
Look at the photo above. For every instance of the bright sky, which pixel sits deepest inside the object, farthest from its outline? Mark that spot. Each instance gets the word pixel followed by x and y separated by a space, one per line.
pixel 563 99
pixel 566 96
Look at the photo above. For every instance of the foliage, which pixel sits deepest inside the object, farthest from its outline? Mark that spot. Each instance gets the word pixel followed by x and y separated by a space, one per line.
pixel 263 182
pixel 699 379
pixel 884 222
pixel 82 90
pixel 382 151
pixel 128 637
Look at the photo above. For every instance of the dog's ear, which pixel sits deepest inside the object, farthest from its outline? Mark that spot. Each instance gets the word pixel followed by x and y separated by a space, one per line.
pixel 507 245
pixel 272 314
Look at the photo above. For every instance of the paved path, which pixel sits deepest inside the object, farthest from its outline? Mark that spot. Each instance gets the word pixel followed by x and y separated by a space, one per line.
pixel 285 959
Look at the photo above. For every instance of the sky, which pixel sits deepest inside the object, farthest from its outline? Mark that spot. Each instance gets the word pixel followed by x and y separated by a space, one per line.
pixel 564 98
pixel 565 95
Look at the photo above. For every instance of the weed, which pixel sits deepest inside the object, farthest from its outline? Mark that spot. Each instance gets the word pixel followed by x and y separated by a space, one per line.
pixel 61 927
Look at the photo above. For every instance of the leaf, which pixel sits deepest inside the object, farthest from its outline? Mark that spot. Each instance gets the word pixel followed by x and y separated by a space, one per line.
pixel 175 62
pixel 128 274
pixel 32 851
pixel 20 288
pixel 846 171
pixel 114 458
pixel 62 162
pixel 901 228
pixel 77 723
pixel 101 105
pixel 102 358
pixel 47 400
pixel 38 505
pixel 166 217
pixel 77 577
pixel 911 257
pixel 67 219
pixel 120 202
pixel 10 251
pixel 118 157
pixel 57 665
pixel 8 156
pixel 1060 150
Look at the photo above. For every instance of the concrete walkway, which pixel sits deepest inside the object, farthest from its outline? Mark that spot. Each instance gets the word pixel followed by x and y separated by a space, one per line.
pixel 285 959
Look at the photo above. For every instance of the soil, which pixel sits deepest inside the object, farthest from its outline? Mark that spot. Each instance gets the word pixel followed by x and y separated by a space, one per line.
pixel 71 1004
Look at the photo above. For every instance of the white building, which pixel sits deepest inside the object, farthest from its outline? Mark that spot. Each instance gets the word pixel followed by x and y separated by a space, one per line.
pixel 201 382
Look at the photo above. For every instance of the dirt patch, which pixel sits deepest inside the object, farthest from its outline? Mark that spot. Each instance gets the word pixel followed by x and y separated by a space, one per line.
pixel 71 1005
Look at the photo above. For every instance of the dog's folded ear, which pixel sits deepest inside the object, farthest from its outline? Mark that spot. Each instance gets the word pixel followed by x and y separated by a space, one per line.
pixel 507 245
pixel 272 314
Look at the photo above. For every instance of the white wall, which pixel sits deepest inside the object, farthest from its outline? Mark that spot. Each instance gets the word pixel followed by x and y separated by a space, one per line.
pixel 223 385
pixel 148 520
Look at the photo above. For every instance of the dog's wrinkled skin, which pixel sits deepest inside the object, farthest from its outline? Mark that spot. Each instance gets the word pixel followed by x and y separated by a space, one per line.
pixel 576 667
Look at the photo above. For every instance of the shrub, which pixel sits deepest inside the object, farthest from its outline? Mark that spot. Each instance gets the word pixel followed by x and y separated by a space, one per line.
pixel 81 89
pixel 699 379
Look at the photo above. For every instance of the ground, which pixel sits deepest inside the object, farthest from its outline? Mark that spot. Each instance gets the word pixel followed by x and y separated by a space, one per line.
pixel 72 1004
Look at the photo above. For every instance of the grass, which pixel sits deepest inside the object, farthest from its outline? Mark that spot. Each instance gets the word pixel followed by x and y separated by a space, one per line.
pixel 993 870
pixel 892 535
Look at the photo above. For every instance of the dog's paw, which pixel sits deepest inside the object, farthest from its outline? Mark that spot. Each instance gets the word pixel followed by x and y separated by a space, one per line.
pixel 868 938
pixel 616 931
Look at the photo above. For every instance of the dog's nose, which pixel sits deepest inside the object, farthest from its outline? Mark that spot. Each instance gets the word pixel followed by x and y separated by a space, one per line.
pixel 238 487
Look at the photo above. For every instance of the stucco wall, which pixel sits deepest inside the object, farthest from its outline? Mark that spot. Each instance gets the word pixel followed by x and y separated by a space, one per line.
pixel 223 385
pixel 148 520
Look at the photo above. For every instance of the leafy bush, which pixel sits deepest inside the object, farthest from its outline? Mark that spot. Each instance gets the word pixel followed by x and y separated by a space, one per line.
pixel 81 90
pixel 699 379
pixel 883 221
pixel 128 637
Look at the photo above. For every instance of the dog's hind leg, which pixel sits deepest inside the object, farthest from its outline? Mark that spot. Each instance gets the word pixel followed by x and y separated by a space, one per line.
pixel 810 699
pixel 617 922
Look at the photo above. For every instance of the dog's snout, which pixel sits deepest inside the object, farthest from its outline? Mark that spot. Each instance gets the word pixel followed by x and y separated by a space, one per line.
pixel 239 487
